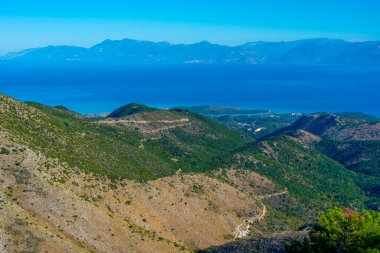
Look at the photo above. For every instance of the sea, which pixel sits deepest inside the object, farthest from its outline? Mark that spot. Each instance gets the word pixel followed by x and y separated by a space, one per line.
pixel 98 88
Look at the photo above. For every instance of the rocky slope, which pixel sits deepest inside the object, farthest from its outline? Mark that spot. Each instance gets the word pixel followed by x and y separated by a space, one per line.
pixel 48 206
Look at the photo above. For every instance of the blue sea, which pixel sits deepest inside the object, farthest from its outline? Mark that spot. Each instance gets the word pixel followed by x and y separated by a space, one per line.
pixel 280 88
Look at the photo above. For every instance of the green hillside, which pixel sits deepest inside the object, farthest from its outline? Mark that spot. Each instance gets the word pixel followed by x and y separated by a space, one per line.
pixel 352 139
pixel 220 110
pixel 359 115
pixel 314 180
pixel 111 150
pixel 306 173
pixel 129 109
pixel 200 145
pixel 189 141
pixel 362 157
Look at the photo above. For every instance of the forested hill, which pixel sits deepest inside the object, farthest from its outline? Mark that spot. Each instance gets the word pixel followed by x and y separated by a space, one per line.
pixel 352 139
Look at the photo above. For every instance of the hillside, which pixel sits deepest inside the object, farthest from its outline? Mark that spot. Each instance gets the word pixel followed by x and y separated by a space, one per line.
pixel 338 128
pixel 310 51
pixel 46 205
pixel 172 179
pixel 257 125
pixel 273 244
pixel 78 141
pixel 220 110
pixel 298 161
pixel 190 142
pixel 313 182
pixel 309 175
pixel 129 109
pixel 108 147
pixel 55 159
pixel 352 140
pixel 61 172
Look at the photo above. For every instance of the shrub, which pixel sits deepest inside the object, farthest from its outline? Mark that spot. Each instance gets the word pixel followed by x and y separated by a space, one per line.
pixel 342 230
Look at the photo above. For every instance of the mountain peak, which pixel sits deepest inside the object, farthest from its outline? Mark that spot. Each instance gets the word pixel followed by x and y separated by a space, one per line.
pixel 130 109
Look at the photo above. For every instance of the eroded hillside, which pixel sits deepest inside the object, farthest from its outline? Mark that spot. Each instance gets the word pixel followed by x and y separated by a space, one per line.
pixel 48 206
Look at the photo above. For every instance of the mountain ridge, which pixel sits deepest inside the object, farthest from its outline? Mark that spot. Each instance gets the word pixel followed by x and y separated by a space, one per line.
pixel 129 51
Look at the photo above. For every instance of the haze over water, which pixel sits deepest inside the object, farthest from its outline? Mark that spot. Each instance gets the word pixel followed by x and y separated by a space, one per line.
pixel 280 88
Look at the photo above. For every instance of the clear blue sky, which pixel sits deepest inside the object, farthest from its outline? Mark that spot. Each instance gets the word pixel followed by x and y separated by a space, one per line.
pixel 34 23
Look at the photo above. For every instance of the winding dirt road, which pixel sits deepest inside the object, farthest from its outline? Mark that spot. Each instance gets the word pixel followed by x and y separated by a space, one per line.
pixel 243 229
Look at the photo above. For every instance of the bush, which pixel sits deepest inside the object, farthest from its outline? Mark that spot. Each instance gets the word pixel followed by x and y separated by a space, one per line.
pixel 342 230
pixel 4 151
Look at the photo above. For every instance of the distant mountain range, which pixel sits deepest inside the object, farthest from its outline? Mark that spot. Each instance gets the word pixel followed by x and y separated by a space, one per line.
pixel 128 51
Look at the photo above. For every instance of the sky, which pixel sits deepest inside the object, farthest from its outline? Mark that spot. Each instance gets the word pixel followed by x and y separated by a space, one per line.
pixel 28 24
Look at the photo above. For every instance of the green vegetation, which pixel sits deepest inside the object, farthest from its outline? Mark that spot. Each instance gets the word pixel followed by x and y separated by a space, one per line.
pixel 4 151
pixel 354 155
pixel 361 157
pixel 194 143
pixel 359 115
pixel 350 139
pixel 342 230
pixel 198 147
pixel 82 143
pixel 219 110
pixel 130 109
pixel 114 151
pixel 315 181
pixel 271 244
pixel 259 125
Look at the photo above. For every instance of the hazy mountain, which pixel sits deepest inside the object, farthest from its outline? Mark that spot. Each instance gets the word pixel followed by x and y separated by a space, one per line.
pixel 50 53
pixel 127 51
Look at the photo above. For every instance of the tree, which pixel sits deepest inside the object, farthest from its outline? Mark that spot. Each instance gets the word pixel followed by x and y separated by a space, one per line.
pixel 340 231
